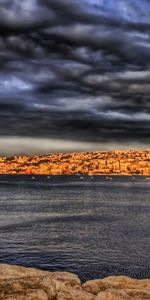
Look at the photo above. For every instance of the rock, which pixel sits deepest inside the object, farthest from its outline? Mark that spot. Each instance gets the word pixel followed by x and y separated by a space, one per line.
pixel 74 294
pixel 112 295
pixel 64 278
pixel 123 295
pixel 118 286
pixel 20 283
pixel 27 295
pixel 16 281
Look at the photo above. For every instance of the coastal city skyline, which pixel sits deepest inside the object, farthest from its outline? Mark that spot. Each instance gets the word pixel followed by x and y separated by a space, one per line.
pixel 74 75
pixel 115 162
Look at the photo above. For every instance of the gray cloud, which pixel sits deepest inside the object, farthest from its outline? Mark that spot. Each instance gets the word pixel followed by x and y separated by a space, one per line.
pixel 75 70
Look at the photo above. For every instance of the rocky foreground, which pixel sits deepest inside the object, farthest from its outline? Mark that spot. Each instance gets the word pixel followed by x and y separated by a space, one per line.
pixel 89 163
pixel 20 283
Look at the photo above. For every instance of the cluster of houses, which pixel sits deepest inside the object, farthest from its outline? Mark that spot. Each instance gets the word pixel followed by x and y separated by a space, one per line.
pixel 90 163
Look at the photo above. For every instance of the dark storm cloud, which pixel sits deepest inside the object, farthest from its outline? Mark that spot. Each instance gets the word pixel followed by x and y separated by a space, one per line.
pixel 75 70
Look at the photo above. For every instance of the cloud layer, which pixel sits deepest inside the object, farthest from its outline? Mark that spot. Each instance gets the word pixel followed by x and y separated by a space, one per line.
pixel 75 70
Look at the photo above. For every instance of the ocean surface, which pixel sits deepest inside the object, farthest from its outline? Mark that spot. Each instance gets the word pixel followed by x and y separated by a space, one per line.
pixel 94 227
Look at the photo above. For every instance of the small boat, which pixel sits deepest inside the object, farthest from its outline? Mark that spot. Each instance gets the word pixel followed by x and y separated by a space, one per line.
pixel 81 177
pixel 33 177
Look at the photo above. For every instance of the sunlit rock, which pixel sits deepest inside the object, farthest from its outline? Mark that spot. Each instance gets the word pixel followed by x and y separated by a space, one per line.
pixel 20 283
pixel 118 288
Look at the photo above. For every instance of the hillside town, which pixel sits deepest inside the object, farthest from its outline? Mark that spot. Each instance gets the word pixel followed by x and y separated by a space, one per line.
pixel 89 163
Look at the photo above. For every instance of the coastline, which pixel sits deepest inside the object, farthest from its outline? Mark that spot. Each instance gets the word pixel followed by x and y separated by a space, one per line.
pixel 97 163
pixel 76 175
pixel 21 283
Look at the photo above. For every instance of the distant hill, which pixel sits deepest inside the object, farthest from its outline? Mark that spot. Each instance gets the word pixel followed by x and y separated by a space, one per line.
pixel 90 163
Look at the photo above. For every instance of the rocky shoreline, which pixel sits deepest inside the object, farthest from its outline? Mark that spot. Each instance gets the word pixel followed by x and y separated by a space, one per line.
pixel 20 283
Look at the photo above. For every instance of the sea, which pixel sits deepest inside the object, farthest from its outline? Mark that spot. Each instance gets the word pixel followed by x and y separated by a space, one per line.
pixel 92 226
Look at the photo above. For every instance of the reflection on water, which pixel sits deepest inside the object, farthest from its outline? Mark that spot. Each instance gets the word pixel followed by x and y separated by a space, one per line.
pixel 94 226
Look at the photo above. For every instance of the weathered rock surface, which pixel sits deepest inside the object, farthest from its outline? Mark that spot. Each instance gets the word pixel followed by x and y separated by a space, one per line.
pixel 74 294
pixel 118 288
pixel 26 283
pixel 20 283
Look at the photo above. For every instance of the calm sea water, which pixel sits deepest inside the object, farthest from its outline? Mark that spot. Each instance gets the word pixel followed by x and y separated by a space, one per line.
pixel 94 227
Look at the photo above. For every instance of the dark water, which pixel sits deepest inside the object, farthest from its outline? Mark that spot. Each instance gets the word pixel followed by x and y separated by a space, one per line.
pixel 93 227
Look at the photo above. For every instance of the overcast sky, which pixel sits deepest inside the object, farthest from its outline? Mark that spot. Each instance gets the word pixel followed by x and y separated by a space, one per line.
pixel 74 75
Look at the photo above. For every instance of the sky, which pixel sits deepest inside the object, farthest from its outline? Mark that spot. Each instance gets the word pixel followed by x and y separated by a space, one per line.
pixel 74 75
